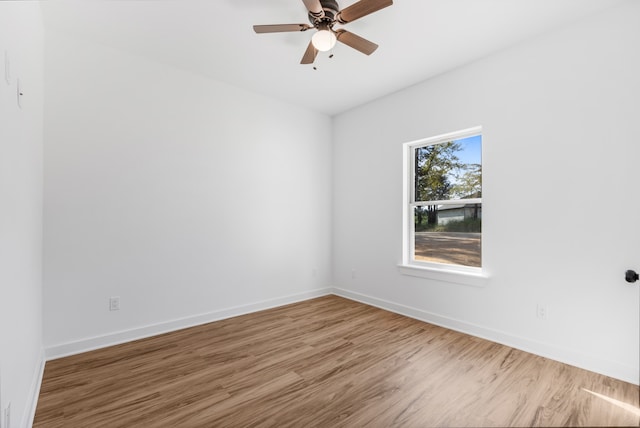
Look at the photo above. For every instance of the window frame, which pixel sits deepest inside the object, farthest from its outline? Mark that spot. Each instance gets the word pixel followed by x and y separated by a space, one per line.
pixel 410 266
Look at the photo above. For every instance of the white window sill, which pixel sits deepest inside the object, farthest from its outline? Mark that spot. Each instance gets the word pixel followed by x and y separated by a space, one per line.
pixel 457 277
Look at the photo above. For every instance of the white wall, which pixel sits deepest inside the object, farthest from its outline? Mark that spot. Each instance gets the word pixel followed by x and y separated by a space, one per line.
pixel 187 198
pixel 21 356
pixel 561 206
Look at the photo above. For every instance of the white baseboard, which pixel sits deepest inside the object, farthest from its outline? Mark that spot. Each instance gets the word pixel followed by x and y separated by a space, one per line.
pixel 566 356
pixel 97 342
pixel 34 392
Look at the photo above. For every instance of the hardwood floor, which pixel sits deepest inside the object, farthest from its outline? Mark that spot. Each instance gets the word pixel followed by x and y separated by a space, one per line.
pixel 327 362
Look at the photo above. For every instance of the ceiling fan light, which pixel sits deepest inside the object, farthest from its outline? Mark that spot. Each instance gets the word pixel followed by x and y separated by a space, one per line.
pixel 324 40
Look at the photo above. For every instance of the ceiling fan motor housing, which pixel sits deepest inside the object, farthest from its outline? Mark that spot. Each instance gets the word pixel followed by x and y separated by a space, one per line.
pixel 331 10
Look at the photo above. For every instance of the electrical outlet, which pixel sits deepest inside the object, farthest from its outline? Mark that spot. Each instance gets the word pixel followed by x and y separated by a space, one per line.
pixel 114 303
pixel 7 415
pixel 19 93
pixel 542 312
pixel 353 274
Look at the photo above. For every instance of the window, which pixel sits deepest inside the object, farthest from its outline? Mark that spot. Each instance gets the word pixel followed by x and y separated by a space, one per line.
pixel 443 202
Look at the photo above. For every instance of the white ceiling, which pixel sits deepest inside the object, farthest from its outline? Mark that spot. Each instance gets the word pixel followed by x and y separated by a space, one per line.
pixel 418 39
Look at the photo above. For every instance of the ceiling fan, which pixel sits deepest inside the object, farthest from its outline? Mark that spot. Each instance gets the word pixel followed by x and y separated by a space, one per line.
pixel 323 15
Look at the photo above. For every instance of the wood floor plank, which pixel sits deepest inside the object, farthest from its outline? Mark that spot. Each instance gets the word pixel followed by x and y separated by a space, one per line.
pixel 326 362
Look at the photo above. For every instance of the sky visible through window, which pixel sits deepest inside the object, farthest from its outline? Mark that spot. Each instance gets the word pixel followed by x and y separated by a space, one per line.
pixel 471 149
pixel 470 153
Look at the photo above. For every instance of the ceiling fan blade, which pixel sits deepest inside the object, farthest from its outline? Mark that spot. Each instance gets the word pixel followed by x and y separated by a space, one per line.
pixel 309 55
pixel 314 7
pixel 360 9
pixel 280 28
pixel 356 42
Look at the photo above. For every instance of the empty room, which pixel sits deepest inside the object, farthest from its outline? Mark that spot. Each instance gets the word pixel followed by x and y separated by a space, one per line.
pixel 319 213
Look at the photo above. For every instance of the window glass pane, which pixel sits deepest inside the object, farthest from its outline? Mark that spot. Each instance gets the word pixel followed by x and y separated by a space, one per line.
pixel 449 234
pixel 449 171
